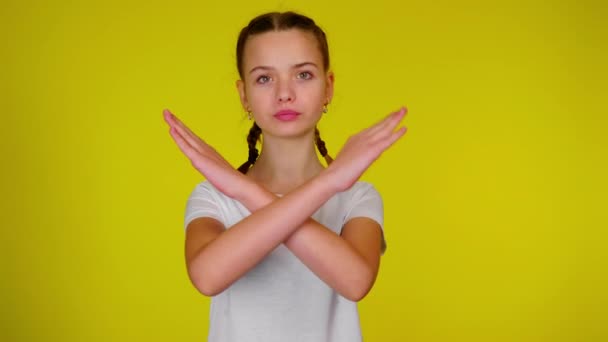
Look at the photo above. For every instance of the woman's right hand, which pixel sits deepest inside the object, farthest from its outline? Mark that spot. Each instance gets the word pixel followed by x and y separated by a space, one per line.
pixel 207 160
pixel 362 149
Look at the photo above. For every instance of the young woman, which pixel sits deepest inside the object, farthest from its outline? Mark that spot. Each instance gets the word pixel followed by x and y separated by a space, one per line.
pixel 285 246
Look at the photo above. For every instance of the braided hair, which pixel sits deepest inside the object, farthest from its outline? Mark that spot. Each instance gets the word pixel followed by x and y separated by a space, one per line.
pixel 321 146
pixel 277 21
pixel 252 138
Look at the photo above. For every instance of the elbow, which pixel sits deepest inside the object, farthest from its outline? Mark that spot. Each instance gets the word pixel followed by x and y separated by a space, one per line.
pixel 359 288
pixel 205 288
pixel 204 283
pixel 357 294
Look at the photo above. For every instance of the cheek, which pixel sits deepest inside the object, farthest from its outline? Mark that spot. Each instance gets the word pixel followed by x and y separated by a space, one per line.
pixel 257 97
pixel 320 97
pixel 315 92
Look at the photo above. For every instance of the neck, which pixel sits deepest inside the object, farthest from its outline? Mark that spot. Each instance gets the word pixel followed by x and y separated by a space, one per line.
pixel 284 164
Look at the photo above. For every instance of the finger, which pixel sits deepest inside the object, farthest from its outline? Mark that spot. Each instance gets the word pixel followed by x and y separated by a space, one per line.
pixel 174 121
pixel 187 130
pixel 396 135
pixel 387 120
pixel 183 145
pixel 388 127
pixel 195 142
pixel 192 139
pixel 167 116
pixel 199 144
pixel 380 123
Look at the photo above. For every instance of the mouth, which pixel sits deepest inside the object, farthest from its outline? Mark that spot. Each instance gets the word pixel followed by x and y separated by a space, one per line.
pixel 287 115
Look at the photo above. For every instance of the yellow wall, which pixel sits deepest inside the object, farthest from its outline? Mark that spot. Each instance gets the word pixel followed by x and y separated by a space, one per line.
pixel 495 199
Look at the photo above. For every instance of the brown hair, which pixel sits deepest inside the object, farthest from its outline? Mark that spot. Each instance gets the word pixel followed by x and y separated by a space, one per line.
pixel 277 21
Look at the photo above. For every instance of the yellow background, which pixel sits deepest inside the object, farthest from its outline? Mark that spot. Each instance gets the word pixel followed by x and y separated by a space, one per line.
pixel 495 198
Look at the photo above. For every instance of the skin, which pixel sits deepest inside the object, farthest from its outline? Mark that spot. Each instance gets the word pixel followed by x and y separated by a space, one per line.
pixel 283 70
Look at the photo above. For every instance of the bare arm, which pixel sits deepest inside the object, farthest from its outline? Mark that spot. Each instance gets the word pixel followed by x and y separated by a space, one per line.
pixel 348 263
pixel 220 258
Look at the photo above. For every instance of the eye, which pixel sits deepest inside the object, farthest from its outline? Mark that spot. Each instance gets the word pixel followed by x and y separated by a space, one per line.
pixel 262 79
pixel 304 75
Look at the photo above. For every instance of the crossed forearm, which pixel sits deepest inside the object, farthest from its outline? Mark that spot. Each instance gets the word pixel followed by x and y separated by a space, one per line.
pixel 275 220
pixel 238 249
pixel 329 256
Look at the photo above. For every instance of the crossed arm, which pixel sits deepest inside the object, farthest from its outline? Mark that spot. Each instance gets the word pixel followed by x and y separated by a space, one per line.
pixel 217 257
pixel 348 263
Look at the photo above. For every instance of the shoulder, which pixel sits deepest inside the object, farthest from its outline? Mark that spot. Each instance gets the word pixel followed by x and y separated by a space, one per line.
pixel 363 199
pixel 204 201
pixel 205 187
pixel 207 200
pixel 362 190
pixel 206 190
pixel 206 194
pixel 364 186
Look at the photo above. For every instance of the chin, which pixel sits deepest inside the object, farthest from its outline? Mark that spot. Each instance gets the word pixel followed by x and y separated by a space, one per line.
pixel 286 132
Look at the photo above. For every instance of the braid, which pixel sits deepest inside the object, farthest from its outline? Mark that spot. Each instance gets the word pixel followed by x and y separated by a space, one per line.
pixel 321 146
pixel 252 139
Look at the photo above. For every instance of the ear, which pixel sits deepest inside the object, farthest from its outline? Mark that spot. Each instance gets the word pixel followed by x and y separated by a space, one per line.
pixel 240 86
pixel 329 90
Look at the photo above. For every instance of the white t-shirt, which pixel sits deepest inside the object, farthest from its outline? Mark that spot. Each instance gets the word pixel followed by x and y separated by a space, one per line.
pixel 280 299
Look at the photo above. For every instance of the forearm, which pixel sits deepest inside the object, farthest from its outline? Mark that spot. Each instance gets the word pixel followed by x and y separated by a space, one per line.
pixel 245 244
pixel 333 259
pixel 325 253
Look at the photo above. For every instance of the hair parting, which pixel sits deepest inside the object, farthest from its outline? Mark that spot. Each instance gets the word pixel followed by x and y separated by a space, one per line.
pixel 280 21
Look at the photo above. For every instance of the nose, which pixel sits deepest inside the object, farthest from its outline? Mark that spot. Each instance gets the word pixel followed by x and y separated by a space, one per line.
pixel 285 91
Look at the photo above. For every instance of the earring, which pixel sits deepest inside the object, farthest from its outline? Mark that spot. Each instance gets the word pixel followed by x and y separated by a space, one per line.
pixel 249 116
pixel 325 108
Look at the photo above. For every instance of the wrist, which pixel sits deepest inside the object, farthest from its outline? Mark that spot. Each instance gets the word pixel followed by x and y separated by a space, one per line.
pixel 254 196
pixel 328 181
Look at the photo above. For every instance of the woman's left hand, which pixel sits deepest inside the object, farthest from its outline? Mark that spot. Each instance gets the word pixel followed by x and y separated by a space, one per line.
pixel 363 148
pixel 206 159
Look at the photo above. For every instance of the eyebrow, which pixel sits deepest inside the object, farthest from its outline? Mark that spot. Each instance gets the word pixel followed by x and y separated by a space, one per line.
pixel 295 66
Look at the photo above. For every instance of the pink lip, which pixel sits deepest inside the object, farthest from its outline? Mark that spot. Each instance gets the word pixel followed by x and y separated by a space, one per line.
pixel 287 115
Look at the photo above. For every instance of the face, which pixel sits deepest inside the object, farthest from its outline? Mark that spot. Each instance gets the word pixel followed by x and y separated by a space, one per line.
pixel 284 83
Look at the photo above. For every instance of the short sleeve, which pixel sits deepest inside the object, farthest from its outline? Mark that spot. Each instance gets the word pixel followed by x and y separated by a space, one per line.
pixel 367 202
pixel 203 202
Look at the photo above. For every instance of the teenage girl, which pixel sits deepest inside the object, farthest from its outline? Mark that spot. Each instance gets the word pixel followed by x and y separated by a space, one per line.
pixel 285 246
